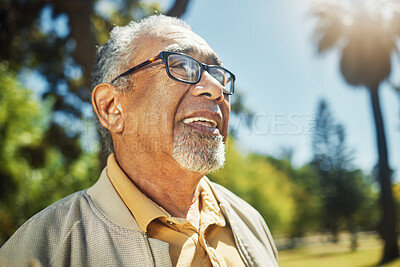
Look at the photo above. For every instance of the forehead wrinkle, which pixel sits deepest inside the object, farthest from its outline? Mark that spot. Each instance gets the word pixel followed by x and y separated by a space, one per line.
pixel 187 49
pixel 174 35
pixel 184 49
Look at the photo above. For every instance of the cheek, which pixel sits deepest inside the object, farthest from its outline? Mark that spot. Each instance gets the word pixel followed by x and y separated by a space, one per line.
pixel 161 117
pixel 157 124
pixel 149 132
pixel 146 120
pixel 157 108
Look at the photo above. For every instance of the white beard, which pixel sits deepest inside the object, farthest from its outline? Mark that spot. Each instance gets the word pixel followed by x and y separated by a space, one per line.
pixel 198 152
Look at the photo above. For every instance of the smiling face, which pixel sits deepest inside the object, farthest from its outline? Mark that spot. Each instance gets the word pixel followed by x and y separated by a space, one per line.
pixel 172 120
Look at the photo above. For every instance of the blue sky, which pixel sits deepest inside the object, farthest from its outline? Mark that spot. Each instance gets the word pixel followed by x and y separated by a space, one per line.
pixel 268 45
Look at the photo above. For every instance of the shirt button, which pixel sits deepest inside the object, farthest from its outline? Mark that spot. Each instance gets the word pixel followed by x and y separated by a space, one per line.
pixel 171 223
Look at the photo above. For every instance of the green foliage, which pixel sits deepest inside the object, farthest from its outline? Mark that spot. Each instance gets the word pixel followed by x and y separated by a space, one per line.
pixel 306 196
pixel 308 201
pixel 343 191
pixel 396 196
pixel 32 175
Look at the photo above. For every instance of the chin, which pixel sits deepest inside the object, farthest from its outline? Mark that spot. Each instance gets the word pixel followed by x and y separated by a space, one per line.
pixel 198 152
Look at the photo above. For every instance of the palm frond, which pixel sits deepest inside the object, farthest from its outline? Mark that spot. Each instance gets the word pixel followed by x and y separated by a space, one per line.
pixel 330 28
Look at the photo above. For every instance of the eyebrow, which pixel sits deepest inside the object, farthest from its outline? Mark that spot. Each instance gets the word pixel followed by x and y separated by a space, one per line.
pixel 190 50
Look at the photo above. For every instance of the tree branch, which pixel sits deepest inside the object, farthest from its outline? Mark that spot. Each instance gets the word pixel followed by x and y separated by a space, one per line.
pixel 178 9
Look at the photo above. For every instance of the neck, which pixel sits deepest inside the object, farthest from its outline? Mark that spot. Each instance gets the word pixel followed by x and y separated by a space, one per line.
pixel 173 188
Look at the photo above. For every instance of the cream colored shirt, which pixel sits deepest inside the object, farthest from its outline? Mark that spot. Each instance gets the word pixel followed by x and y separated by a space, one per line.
pixel 211 245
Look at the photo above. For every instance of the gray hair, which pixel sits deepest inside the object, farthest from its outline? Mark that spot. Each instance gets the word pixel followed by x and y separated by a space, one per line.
pixel 115 56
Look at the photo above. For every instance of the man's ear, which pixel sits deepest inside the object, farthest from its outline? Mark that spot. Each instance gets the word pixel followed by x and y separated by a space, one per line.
pixel 107 108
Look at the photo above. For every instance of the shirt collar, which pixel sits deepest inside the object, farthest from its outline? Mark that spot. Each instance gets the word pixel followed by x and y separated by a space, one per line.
pixel 210 205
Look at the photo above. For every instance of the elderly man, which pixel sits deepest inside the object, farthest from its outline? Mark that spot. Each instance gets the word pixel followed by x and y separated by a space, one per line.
pixel 163 98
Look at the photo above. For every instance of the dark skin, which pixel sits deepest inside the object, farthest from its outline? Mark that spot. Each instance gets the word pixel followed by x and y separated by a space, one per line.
pixel 144 120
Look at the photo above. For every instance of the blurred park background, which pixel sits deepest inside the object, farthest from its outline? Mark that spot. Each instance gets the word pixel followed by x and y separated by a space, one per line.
pixel 315 132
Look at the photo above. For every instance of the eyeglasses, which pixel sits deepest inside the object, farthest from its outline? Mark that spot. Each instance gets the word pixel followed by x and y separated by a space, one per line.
pixel 183 68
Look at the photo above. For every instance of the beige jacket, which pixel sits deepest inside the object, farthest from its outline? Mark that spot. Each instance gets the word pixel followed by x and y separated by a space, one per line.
pixel 93 227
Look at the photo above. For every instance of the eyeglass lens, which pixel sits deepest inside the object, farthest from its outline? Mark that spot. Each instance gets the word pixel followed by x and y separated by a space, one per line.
pixel 187 69
pixel 184 68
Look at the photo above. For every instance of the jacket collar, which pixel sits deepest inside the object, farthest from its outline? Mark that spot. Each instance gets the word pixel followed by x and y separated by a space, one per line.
pixel 109 202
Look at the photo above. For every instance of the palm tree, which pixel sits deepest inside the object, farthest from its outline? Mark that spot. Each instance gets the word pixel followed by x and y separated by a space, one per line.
pixel 365 37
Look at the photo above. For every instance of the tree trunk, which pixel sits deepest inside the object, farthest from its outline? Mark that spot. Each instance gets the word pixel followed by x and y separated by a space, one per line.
pixel 178 9
pixel 388 221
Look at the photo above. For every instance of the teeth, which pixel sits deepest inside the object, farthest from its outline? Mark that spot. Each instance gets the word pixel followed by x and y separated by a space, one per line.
pixel 200 119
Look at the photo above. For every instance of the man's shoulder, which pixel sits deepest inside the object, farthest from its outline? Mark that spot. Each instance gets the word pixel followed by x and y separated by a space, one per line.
pixel 65 210
pixel 53 225
pixel 68 207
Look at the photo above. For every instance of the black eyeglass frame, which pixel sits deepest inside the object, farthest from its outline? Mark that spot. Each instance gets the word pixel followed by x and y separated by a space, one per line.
pixel 164 56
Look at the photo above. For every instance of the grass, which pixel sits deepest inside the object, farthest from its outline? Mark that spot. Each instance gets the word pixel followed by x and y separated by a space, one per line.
pixel 367 254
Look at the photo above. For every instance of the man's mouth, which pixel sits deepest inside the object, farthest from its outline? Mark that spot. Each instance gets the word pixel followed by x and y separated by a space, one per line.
pixel 202 121
pixel 203 124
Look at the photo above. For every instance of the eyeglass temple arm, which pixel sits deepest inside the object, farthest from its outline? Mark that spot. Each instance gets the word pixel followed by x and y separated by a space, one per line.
pixel 141 65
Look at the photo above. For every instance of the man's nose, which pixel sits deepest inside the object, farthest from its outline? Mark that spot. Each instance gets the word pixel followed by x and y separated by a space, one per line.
pixel 209 87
